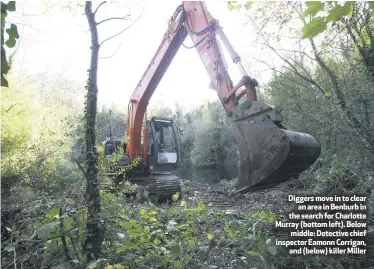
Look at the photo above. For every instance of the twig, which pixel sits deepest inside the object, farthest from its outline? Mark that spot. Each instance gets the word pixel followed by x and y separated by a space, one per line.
pixel 80 167
pixel 10 108
pixel 114 18
pixel 15 258
pixel 106 57
pixel 102 3
pixel 109 38
pixel 206 192
pixel 63 239
pixel 293 68
pixel 73 243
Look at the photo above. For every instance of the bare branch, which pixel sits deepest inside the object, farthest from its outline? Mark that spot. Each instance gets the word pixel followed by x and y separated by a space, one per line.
pixel 114 18
pixel 282 73
pixel 10 107
pixel 80 167
pixel 110 56
pixel 63 239
pixel 109 38
pixel 102 3
pixel 297 51
pixel 294 69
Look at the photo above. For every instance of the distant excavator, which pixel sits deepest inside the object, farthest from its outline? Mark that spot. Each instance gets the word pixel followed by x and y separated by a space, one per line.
pixel 269 153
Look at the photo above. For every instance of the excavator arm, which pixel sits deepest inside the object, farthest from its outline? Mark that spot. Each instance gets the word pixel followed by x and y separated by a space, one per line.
pixel 269 153
pixel 189 18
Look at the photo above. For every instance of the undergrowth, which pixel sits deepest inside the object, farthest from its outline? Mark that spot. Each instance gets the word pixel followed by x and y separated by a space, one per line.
pixel 48 232
pixel 140 234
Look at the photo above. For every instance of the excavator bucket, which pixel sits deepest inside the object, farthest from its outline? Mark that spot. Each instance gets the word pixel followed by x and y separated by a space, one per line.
pixel 269 153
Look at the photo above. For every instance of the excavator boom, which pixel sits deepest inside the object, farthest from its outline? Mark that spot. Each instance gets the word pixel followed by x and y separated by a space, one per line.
pixel 269 153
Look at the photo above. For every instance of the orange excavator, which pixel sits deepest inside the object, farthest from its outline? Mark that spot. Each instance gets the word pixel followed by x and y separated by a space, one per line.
pixel 269 153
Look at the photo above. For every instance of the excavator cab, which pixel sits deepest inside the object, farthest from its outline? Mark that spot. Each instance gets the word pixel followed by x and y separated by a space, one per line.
pixel 163 152
pixel 163 147
pixel 162 158
pixel 111 146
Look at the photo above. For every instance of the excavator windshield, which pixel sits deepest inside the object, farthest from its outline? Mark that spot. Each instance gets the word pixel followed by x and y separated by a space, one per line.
pixel 162 142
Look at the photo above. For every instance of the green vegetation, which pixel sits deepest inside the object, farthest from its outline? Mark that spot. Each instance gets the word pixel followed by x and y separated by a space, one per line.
pixel 10 42
pixel 38 125
pixel 325 88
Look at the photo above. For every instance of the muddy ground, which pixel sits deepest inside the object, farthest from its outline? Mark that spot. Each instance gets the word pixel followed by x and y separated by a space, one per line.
pixel 274 198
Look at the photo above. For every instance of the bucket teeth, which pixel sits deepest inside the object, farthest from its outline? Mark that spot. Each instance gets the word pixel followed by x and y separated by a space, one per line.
pixel 269 154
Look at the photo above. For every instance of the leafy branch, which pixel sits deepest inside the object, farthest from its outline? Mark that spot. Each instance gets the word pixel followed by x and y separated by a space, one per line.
pixel 12 32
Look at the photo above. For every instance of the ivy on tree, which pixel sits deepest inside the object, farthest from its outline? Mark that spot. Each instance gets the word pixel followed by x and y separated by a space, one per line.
pixel 95 225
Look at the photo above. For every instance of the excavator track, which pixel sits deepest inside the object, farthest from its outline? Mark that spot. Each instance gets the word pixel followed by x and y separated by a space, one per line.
pixel 166 185
pixel 162 186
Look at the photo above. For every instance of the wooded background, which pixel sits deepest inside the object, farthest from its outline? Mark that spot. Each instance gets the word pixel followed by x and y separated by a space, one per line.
pixel 325 87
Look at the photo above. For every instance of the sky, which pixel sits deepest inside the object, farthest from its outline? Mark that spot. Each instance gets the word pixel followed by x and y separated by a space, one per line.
pixel 55 41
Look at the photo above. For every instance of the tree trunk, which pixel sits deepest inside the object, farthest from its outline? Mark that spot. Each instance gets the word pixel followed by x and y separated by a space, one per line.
pixel 365 46
pixel 94 226
pixel 366 137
